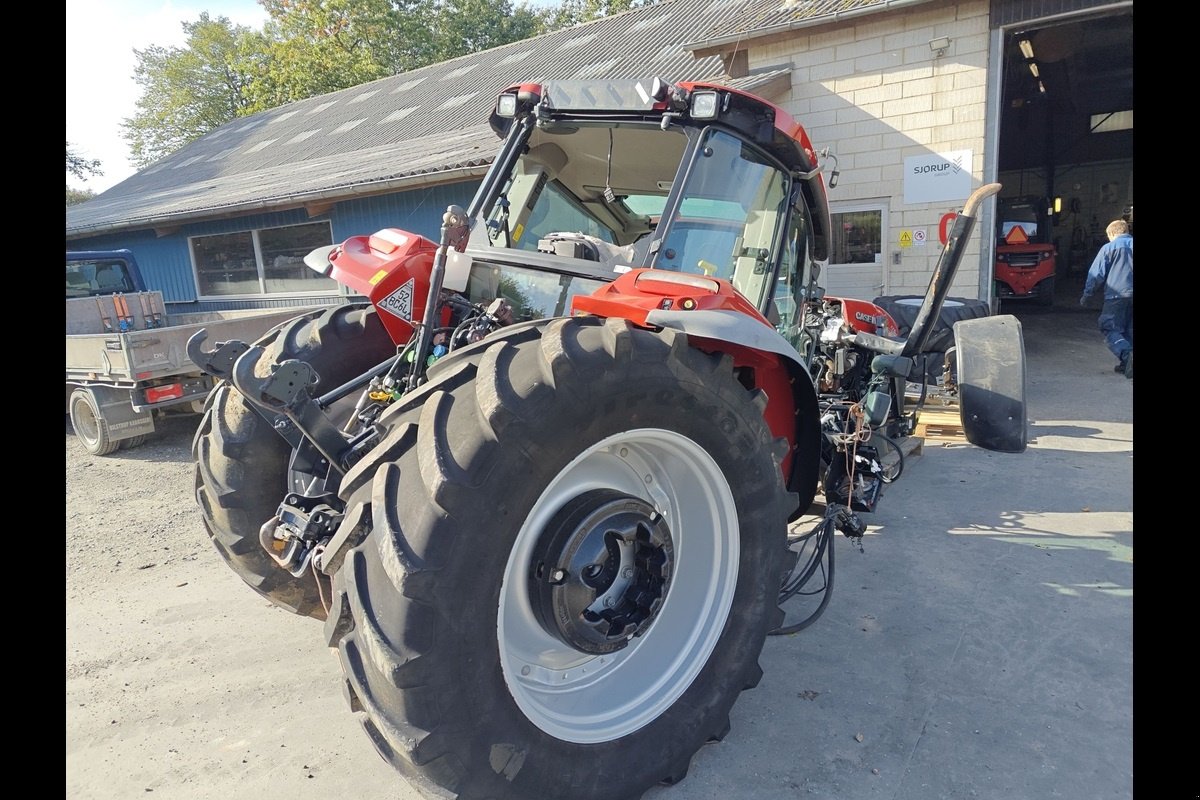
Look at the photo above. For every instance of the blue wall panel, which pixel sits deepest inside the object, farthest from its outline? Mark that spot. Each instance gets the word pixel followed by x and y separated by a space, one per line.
pixel 166 262
pixel 418 211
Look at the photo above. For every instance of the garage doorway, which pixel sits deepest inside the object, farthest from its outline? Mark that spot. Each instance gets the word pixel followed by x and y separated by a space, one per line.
pixel 1064 152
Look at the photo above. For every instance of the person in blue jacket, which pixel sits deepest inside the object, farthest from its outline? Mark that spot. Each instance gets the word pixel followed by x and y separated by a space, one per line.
pixel 1112 272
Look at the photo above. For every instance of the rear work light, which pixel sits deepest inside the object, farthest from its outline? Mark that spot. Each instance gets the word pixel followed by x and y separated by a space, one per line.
pixel 704 105
pixel 506 106
pixel 157 394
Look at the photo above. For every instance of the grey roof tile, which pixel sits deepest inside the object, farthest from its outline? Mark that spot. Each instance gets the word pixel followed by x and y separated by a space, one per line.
pixel 762 16
pixel 424 127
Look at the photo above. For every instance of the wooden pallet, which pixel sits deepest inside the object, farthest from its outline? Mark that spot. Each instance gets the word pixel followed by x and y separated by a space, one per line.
pixel 940 424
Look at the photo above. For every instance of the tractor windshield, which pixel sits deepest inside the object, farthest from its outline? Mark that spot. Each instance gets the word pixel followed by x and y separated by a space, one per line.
pixel 575 183
pixel 729 217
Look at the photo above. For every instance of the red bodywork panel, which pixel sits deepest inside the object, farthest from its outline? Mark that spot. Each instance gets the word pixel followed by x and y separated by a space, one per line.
pixel 1022 264
pixel 867 317
pixel 392 268
pixel 638 292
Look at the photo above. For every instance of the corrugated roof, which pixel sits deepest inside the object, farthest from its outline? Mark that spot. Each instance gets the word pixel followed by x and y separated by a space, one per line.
pixel 762 17
pixel 422 126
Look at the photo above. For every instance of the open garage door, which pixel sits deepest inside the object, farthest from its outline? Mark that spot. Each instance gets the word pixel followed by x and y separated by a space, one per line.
pixel 1065 152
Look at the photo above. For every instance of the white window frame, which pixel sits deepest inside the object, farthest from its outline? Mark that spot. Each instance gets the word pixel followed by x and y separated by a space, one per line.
pixel 847 207
pixel 262 294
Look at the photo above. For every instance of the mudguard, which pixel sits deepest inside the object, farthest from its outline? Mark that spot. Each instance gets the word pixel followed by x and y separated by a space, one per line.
pixel 991 382
pixel 795 417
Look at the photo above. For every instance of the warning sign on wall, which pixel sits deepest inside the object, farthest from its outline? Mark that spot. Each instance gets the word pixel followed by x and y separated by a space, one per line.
pixel 919 237
pixel 906 238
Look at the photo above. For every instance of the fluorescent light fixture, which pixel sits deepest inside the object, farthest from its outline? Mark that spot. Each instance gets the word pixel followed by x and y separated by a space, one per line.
pixel 1026 48
pixel 1041 87
pixel 1034 69
pixel 1112 121
pixel 939 45
pixel 1058 205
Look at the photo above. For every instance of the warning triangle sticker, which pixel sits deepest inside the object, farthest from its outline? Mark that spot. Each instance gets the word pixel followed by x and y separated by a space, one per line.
pixel 1016 236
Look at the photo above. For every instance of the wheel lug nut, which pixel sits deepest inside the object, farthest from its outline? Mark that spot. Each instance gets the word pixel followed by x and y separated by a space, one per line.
pixel 628 572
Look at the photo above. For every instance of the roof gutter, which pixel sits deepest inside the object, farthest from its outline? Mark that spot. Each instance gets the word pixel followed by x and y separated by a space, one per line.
pixel 285 201
pixel 716 44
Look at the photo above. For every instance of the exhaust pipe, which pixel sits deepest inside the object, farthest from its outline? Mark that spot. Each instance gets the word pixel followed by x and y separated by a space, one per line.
pixel 944 272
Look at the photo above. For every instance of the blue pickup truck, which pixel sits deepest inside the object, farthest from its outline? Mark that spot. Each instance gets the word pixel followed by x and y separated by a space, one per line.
pixel 127 361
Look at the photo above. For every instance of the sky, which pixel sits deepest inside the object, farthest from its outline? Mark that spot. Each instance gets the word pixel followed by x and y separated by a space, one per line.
pixel 101 91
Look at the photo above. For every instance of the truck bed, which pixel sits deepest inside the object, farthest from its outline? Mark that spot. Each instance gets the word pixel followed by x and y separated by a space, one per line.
pixel 137 355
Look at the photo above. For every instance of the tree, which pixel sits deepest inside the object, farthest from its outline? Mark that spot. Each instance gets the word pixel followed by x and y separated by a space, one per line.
pixel 468 26
pixel 76 196
pixel 188 91
pixel 574 12
pixel 317 46
pixel 312 47
pixel 80 167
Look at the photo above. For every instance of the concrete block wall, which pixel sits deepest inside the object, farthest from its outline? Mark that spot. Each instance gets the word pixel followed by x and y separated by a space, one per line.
pixel 871 89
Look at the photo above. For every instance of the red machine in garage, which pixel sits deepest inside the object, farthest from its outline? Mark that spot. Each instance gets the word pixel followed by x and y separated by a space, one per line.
pixel 1025 258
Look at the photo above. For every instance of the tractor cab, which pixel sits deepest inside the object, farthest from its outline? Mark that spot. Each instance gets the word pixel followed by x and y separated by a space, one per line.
pixel 595 180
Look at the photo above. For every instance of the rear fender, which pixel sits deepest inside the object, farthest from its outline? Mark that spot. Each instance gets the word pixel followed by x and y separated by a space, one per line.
pixel 991 382
pixel 791 411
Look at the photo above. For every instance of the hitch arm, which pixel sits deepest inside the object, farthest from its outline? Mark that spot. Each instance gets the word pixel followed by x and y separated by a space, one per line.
pixel 219 361
pixel 286 391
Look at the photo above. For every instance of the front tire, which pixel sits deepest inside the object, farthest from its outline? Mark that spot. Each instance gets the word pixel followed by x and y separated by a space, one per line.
pixel 576 539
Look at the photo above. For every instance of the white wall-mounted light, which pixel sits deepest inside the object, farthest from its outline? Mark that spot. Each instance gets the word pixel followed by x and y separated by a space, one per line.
pixel 1026 48
pixel 939 45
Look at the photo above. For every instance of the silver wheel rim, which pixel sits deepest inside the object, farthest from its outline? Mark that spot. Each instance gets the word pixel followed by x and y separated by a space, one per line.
pixel 86 425
pixel 578 697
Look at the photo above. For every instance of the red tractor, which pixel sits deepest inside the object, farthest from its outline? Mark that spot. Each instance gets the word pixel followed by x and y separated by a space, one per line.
pixel 1026 259
pixel 539 486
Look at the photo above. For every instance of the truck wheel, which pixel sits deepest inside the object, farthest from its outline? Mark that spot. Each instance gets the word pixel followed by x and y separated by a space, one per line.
pixel 134 441
pixel 90 427
pixel 242 463
pixel 568 557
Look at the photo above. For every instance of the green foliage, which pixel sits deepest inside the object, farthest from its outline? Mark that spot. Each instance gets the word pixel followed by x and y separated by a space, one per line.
pixel 312 47
pixel 81 167
pixel 75 196
pixel 575 12
pixel 469 26
pixel 188 91
pixel 317 46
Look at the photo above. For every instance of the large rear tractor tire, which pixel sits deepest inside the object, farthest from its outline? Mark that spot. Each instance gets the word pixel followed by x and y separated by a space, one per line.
pixel 569 554
pixel 242 463
pixel 904 309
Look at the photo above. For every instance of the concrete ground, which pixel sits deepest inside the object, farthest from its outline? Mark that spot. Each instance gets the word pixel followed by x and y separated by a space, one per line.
pixel 979 647
pixel 982 644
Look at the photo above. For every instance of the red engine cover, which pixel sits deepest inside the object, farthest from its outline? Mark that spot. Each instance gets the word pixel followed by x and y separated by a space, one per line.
pixel 867 317
pixel 392 268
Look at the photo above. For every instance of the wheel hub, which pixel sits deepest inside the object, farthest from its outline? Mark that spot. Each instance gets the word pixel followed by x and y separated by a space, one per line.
pixel 601 570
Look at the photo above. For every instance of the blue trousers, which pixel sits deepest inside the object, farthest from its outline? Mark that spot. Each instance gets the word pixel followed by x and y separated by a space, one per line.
pixel 1116 323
